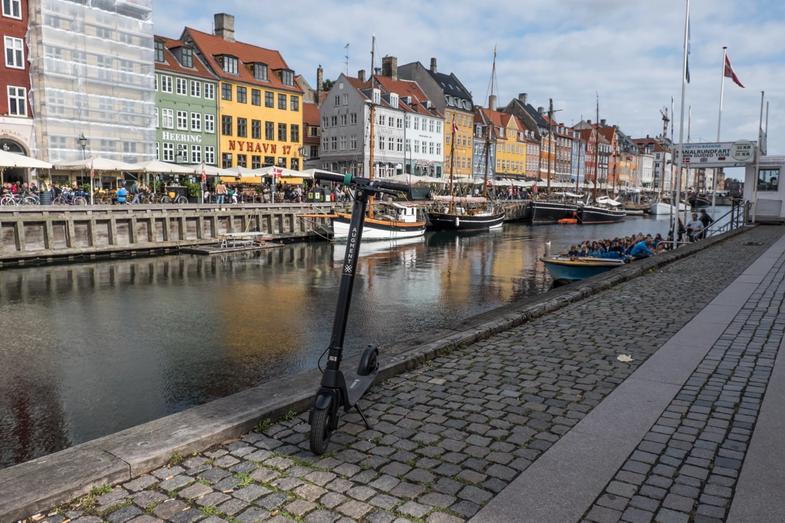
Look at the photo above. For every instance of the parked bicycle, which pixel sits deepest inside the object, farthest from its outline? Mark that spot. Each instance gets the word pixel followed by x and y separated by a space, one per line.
pixel 19 199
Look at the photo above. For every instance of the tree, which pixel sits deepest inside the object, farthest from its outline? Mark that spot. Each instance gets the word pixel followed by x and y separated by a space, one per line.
pixel 327 85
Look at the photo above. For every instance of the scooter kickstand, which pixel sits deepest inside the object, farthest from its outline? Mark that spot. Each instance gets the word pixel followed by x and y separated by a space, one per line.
pixel 360 412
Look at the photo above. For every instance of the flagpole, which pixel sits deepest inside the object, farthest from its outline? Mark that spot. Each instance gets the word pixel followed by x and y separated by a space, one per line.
pixel 757 160
pixel 681 122
pixel 719 127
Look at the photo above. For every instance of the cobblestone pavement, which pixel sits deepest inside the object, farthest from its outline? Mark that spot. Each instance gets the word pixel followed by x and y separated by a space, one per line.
pixel 686 467
pixel 451 434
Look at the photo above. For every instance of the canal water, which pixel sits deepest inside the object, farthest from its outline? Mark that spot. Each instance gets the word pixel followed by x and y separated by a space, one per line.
pixel 91 349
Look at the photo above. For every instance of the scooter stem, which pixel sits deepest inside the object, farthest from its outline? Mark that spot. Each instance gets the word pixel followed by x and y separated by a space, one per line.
pixel 347 278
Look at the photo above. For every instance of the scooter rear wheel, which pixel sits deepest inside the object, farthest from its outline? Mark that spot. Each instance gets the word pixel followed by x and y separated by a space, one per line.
pixel 320 431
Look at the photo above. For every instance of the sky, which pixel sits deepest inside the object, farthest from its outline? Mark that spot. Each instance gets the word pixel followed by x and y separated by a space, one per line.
pixel 628 52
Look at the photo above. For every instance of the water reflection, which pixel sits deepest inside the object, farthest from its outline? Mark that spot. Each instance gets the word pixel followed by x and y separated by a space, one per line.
pixel 90 349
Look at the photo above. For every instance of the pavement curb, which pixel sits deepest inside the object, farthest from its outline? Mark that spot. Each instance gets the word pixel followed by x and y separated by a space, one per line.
pixel 40 484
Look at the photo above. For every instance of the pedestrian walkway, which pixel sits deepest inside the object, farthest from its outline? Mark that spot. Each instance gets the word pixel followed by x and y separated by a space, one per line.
pixel 473 428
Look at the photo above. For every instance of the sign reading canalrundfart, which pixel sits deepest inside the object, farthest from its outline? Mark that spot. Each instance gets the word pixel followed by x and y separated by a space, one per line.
pixel 718 154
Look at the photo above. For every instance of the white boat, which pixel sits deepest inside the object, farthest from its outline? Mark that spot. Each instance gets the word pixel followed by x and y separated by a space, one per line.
pixel 662 208
pixel 380 247
pixel 391 222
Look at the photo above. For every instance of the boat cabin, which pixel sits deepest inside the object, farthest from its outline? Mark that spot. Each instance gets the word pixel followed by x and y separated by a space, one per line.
pixel 768 200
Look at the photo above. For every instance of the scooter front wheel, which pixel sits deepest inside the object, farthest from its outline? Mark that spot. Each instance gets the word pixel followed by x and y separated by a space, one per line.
pixel 320 430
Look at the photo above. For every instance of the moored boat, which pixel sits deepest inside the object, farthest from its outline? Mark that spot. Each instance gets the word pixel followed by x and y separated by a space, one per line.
pixel 460 221
pixel 662 208
pixel 591 214
pixel 545 212
pixel 400 222
pixel 566 268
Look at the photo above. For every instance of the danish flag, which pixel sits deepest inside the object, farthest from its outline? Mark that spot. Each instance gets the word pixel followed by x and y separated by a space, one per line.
pixel 730 73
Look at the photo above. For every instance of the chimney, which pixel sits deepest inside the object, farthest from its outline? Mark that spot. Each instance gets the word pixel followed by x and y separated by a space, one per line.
pixel 224 26
pixel 319 82
pixel 523 97
pixel 390 67
pixel 541 110
pixel 492 102
pixel 602 122
pixel 361 75
pixel 588 121
pixel 433 64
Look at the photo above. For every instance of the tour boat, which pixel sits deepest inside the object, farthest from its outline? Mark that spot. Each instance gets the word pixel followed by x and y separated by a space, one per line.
pixel 662 208
pixel 566 268
pixel 400 221
pixel 604 210
pixel 545 212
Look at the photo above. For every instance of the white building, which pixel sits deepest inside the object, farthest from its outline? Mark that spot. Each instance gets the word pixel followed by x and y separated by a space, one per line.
pixel 765 190
pixel 646 169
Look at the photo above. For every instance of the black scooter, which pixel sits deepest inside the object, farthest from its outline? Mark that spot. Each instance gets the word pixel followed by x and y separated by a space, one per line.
pixel 336 390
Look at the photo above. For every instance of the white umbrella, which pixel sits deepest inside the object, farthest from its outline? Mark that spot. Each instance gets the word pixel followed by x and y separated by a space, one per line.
pixel 16 160
pixel 240 171
pixel 98 164
pixel 208 170
pixel 280 172
pixel 157 166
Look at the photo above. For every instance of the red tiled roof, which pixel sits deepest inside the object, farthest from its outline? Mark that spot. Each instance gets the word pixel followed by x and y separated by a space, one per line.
pixel 311 115
pixel 171 64
pixel 213 46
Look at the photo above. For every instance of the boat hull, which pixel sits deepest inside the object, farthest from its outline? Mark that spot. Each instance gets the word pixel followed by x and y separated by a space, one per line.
pixel 662 208
pixel 376 230
pixel 462 222
pixel 589 215
pixel 551 212
pixel 566 269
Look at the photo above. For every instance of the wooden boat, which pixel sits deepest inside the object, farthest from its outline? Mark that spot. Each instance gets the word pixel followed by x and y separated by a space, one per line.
pixel 545 212
pixel 400 221
pixel 592 214
pixel 566 268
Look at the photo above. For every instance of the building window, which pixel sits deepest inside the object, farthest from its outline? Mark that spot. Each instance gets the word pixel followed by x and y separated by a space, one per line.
pixel 196 89
pixel 196 122
pixel 416 123
pixel 269 160
pixel 196 154
pixel 209 91
pixel 295 132
pixel 282 102
pixel 229 64
pixel 12 9
pixel 209 123
pixel 294 103
pixel 14 53
pixel 343 120
pixel 209 154
pixel 256 129
pixel 334 143
pixel 242 95
pixel 281 162
pixel 256 161
pixel 353 118
pixel 182 120
pixel 226 125
pixel 182 86
pixel 294 163
pixel 381 143
pixel 281 132
pixel 256 97
pixel 168 152
pixel 226 92
pixel 768 180
pixel 17 101
pixel 167 118
pixel 287 77
pixel 187 55
pixel 242 160
pixel 260 72
pixel 268 99
pixel 159 46
pixel 166 83
pixel 226 160
pixel 157 151
pixel 417 146
pixel 157 119
pixel 342 143
pixel 242 127
pixel 269 131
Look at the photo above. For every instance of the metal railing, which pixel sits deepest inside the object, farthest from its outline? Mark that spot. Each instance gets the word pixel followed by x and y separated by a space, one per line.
pixel 736 217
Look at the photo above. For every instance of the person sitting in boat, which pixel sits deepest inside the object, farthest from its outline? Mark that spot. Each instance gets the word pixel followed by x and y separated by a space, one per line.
pixel 642 249
pixel 573 252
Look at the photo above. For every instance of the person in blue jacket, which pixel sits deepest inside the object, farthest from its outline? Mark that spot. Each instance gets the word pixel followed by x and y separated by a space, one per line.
pixel 642 249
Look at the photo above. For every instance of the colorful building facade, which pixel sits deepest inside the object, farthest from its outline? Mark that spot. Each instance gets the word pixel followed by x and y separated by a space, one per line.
pixel 259 104
pixel 185 105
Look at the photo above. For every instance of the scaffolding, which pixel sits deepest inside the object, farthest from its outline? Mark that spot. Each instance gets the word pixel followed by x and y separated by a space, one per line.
pixel 92 74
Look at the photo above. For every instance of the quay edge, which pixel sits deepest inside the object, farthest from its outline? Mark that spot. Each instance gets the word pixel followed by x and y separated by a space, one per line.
pixel 40 484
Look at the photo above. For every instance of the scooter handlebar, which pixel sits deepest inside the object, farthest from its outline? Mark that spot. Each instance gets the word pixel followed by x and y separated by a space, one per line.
pixel 364 183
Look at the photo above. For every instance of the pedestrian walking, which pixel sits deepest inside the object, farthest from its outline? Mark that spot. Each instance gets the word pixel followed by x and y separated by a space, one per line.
pixel 706 220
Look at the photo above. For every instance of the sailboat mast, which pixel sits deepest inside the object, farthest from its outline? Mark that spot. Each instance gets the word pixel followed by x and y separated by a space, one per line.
pixel 596 148
pixel 372 117
pixel 550 141
pixel 490 125
pixel 452 164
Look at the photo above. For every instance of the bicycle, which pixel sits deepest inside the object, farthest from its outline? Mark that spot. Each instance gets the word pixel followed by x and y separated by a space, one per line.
pixel 17 199
pixel 173 197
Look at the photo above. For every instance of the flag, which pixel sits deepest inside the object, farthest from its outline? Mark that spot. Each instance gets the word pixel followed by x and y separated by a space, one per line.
pixel 730 73
pixel 454 126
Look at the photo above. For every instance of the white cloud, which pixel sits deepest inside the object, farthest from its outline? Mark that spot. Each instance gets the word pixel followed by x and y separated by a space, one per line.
pixel 628 51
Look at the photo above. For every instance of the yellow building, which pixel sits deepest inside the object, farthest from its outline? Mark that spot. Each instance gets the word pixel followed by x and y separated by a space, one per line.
pixel 509 135
pixel 259 104
pixel 462 144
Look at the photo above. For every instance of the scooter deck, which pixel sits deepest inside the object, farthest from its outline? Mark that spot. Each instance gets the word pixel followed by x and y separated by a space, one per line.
pixel 357 386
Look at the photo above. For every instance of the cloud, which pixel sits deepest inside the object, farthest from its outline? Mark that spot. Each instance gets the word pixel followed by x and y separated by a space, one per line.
pixel 628 52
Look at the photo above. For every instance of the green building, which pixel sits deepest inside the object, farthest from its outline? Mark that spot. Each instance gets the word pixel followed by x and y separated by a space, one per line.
pixel 185 105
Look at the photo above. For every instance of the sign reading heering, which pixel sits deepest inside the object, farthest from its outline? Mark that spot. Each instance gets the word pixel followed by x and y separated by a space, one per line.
pixel 718 154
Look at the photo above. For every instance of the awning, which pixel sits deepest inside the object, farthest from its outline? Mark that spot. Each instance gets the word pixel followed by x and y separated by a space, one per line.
pixel 98 164
pixel 11 160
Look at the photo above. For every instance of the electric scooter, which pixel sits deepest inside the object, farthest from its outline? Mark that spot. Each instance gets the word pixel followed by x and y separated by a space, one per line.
pixel 338 390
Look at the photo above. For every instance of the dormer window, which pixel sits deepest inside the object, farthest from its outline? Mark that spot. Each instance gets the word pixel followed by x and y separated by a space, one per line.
pixel 287 77
pixel 228 63
pixel 394 100
pixel 448 99
pixel 260 72
pixel 187 57
pixel 377 96
pixel 159 51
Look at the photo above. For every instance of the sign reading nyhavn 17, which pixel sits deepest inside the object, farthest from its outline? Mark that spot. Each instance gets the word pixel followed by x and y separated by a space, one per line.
pixel 256 147
pixel 718 154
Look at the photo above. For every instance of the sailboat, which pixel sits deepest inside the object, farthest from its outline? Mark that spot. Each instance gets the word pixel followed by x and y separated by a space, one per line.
pixel 457 217
pixel 599 210
pixel 392 220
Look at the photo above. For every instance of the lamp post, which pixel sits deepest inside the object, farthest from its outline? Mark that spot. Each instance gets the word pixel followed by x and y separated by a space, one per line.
pixel 82 140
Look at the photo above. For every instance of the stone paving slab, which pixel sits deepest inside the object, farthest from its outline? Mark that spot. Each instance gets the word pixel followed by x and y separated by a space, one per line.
pixel 446 436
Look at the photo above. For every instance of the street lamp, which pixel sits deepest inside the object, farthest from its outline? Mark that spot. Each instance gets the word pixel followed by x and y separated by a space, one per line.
pixel 82 141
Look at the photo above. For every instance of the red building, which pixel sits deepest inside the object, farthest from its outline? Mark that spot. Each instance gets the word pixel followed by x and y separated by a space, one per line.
pixel 16 124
